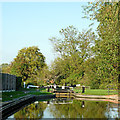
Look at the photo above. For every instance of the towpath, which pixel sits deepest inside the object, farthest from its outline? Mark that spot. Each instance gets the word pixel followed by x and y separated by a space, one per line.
pixel 110 98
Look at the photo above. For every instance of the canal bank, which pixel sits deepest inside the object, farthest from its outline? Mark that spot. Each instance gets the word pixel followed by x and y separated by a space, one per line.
pixel 110 98
pixel 9 107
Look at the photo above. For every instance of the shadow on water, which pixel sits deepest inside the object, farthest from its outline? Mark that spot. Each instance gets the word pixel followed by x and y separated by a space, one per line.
pixel 68 108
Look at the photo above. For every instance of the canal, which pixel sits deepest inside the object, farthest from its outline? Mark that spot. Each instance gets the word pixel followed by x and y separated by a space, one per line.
pixel 68 108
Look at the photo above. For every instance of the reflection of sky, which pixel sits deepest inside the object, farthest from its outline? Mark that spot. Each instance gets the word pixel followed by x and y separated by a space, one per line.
pixel 112 113
pixel 12 116
pixel 47 113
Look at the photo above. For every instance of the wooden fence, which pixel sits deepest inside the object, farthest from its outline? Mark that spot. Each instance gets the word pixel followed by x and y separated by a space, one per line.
pixel 8 82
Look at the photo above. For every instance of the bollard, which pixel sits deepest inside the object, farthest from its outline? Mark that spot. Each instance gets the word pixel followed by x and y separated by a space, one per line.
pixel 48 102
pixel 83 89
pixel 48 89
pixel 83 104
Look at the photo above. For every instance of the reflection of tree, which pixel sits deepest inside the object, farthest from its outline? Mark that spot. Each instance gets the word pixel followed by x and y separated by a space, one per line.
pixel 75 110
pixel 32 111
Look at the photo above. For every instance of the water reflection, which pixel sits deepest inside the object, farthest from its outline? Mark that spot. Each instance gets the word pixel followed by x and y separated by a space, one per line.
pixel 35 110
pixel 79 109
pixel 68 108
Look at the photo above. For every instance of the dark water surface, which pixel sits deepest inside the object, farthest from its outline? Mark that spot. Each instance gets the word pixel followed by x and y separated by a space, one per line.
pixel 68 108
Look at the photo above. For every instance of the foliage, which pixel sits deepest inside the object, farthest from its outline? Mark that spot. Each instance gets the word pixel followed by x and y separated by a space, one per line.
pixel 74 42
pixel 74 48
pixel 5 68
pixel 18 83
pixel 43 76
pixel 107 45
pixel 87 58
pixel 91 78
pixel 27 63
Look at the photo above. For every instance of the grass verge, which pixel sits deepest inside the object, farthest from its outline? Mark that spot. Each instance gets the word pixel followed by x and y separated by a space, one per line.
pixel 96 92
pixel 6 96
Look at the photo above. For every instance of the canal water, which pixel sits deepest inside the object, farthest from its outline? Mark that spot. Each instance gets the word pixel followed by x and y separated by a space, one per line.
pixel 68 108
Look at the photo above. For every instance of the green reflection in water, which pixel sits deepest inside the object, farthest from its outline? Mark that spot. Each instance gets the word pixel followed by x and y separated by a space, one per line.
pixel 34 110
pixel 61 108
pixel 79 109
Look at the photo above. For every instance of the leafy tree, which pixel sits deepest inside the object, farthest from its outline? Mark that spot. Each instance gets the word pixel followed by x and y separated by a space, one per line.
pixel 28 62
pixel 91 78
pixel 86 58
pixel 74 42
pixel 5 68
pixel 66 45
pixel 43 76
pixel 57 70
pixel 107 45
pixel 74 48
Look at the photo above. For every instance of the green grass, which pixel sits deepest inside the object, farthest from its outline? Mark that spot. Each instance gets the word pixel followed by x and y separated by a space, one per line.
pixel 95 91
pixel 32 89
pixel 42 91
pixel 16 94
pixel 6 96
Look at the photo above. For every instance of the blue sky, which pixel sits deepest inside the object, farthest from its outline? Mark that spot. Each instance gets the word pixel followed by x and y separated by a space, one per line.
pixel 27 24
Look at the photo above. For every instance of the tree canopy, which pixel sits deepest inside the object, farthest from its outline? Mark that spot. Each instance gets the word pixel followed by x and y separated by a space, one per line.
pixel 107 45
pixel 74 48
pixel 87 58
pixel 5 68
pixel 28 62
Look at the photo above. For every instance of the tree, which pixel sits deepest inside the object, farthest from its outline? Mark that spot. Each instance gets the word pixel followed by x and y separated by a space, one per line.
pixel 5 68
pixel 28 62
pixel 43 76
pixel 107 45
pixel 73 41
pixel 58 71
pixel 74 48
pixel 91 77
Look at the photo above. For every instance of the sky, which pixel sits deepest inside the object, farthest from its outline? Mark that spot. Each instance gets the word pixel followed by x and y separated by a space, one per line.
pixel 26 24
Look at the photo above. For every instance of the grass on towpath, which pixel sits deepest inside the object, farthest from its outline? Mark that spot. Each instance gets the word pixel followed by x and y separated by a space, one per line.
pixel 6 96
pixel 96 91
